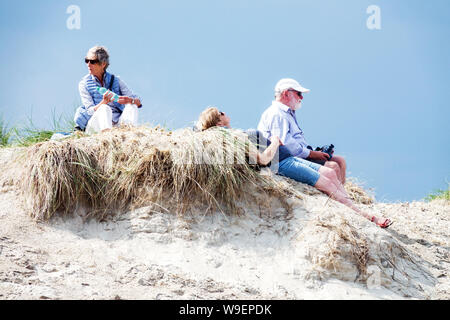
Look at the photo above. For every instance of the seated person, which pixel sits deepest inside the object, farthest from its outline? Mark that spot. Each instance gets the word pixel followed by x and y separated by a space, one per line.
pixel 101 112
pixel 280 120
pixel 320 177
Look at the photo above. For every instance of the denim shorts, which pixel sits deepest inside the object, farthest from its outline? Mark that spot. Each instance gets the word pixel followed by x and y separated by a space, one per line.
pixel 300 170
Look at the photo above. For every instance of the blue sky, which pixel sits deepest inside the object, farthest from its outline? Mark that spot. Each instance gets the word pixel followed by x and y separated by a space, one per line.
pixel 380 96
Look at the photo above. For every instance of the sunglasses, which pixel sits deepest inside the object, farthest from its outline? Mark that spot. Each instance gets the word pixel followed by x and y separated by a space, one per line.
pixel 298 93
pixel 91 61
pixel 221 113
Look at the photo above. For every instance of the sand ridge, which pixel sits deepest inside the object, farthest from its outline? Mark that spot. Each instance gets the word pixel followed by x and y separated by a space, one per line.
pixel 321 250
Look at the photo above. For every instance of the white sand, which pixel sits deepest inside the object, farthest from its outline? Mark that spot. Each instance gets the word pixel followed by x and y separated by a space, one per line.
pixel 145 255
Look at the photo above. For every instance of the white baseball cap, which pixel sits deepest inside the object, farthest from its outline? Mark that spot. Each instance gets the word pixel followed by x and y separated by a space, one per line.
pixel 287 83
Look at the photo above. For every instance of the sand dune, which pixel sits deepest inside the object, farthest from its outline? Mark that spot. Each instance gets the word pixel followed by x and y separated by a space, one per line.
pixel 319 250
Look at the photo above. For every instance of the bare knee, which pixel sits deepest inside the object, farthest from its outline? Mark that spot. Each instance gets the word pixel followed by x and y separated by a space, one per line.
pixel 335 167
pixel 342 166
pixel 328 173
pixel 340 161
pixel 325 184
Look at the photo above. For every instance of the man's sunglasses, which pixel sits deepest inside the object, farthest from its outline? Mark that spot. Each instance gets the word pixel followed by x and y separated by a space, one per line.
pixel 91 61
pixel 298 93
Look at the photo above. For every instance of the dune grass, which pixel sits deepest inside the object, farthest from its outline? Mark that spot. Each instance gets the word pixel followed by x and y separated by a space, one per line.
pixel 358 193
pixel 29 134
pixel 124 167
pixel 439 194
pixel 5 133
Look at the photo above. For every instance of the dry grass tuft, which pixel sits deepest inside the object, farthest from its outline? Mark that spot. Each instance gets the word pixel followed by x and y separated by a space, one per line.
pixel 357 192
pixel 343 242
pixel 128 167
pixel 338 249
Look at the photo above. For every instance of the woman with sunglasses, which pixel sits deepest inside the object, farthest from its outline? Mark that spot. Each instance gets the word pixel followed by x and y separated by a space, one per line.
pixel 320 177
pixel 98 111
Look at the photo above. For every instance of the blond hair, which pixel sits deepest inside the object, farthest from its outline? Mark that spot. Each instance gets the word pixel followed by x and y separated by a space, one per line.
pixel 210 117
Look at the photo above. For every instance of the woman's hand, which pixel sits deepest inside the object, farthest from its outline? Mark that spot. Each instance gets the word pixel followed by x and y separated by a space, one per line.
pixel 125 100
pixel 107 97
pixel 265 157
pixel 277 140
pixel 128 100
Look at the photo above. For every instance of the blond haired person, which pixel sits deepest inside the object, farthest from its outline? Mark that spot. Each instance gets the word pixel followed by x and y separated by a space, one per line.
pixel 212 117
pixel 320 177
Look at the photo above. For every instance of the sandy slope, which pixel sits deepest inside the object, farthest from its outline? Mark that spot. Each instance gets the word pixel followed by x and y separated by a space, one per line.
pixel 310 254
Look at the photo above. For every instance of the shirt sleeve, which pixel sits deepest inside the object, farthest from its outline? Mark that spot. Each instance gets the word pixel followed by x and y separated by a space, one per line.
pixel 126 91
pixel 304 153
pixel 86 99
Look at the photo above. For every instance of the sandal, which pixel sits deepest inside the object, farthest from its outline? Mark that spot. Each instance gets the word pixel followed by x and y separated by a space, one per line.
pixel 385 224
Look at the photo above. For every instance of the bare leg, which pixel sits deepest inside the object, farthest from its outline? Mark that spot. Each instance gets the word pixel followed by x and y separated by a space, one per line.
pixel 332 175
pixel 335 167
pixel 340 161
pixel 330 188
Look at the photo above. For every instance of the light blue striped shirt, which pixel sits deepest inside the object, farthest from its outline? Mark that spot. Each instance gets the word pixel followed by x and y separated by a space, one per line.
pixel 88 102
pixel 279 120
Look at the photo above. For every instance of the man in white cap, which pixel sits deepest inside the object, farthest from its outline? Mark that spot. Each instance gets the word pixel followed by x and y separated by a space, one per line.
pixel 280 120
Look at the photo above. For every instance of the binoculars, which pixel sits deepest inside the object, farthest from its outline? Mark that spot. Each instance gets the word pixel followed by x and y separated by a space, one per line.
pixel 329 149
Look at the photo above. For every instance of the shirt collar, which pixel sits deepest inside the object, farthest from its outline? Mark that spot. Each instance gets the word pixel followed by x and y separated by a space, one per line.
pixel 104 77
pixel 281 106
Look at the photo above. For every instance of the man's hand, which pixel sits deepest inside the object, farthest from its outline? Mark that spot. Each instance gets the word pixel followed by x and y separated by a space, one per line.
pixel 318 155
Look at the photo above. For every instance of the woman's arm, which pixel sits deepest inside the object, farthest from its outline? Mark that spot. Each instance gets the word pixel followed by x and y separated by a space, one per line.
pixel 127 94
pixel 107 98
pixel 87 100
pixel 263 158
pixel 127 100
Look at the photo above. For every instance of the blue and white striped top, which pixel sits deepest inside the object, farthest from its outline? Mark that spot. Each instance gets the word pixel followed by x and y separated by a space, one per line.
pixel 88 101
